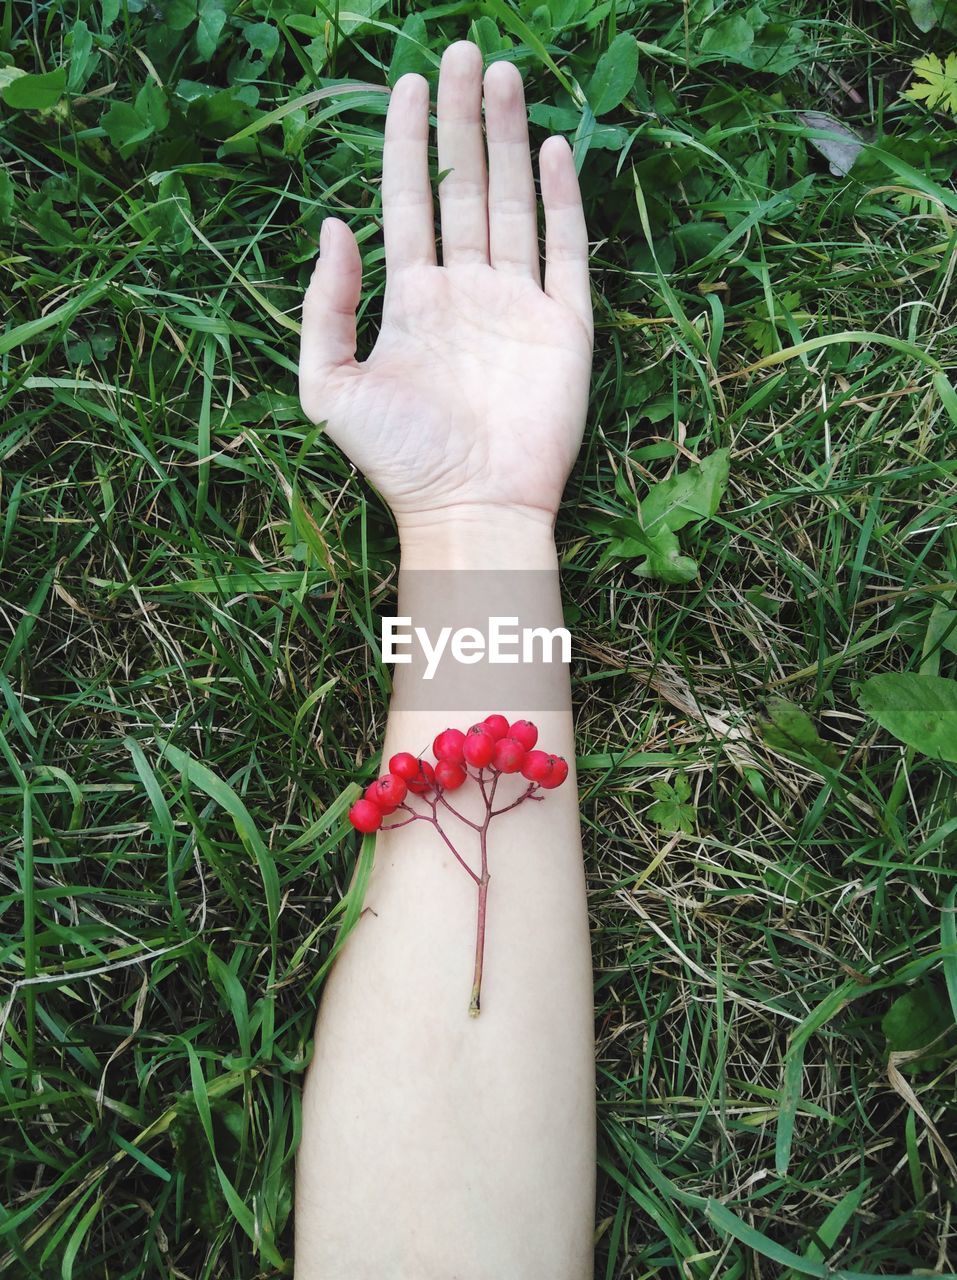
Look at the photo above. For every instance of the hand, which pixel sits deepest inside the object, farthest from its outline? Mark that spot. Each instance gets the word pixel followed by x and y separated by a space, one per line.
pixel 476 392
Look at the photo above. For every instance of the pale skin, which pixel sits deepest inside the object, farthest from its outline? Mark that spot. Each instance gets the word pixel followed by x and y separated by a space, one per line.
pixel 438 1146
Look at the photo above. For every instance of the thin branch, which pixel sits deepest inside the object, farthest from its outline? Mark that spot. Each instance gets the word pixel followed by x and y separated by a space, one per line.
pixel 458 856
pixel 461 816
pixel 526 795
pixel 491 797
pixel 394 826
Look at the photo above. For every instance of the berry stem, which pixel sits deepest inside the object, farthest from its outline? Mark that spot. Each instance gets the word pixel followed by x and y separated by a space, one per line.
pixel 458 857
pixel 394 826
pixel 526 795
pixel 475 1004
pixel 461 816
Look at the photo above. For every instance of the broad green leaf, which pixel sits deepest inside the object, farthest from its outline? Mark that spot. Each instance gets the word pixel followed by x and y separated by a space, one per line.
pixel 919 710
pixel 614 75
pixel 942 628
pixel 688 495
pixel 555 119
pixel 152 106
pixel 168 215
pixel 935 82
pixel 608 137
pixel 178 15
pixel 627 539
pixel 125 127
pixel 35 92
pixel 48 223
pixel 777 46
pixel 212 19
pixel 729 38
pixel 924 14
pixel 663 559
pixel 411 51
pixel 927 14
pixel 568 13
pixel 790 728
pixel 917 1018
pixel 263 38
pixel 354 15
pixel 8 75
pixel 671 810
pixel 128 125
pixel 81 61
pixel 305 23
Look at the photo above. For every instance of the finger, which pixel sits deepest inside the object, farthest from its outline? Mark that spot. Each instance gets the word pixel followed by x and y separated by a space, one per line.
pixel 408 214
pixel 566 237
pixel 328 339
pixel 512 205
pixel 463 192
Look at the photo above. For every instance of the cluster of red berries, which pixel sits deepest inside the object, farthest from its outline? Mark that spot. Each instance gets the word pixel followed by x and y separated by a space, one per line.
pixel 492 744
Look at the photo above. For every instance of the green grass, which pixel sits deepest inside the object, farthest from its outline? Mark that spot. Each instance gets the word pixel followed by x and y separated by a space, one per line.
pixel 191 574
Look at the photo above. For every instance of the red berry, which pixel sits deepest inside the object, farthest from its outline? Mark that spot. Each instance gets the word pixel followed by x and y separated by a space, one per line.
pixel 417 774
pixel 382 804
pixel 525 732
pixel 557 774
pixel 537 765
pixel 424 781
pixel 509 755
pixel 365 816
pixel 449 775
pixel 479 746
pixel 387 792
pixel 404 765
pixel 497 726
pixel 448 746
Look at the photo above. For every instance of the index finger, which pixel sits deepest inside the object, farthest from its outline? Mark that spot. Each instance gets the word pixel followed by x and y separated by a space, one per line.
pixel 407 210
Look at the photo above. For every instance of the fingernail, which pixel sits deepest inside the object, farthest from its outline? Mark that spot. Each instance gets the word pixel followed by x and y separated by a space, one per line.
pixel 323 235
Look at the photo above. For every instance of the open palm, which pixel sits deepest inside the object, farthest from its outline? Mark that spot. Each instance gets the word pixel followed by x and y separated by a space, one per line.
pixel 476 390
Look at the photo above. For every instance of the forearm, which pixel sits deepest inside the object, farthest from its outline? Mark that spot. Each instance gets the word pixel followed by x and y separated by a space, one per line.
pixel 438 1145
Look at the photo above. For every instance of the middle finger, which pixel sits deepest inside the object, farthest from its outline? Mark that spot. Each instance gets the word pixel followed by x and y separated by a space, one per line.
pixel 463 192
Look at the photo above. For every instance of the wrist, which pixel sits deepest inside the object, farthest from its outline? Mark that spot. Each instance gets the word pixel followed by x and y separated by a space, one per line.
pixel 478 536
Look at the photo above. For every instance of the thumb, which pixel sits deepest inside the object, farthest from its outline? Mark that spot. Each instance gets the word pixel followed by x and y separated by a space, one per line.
pixel 328 340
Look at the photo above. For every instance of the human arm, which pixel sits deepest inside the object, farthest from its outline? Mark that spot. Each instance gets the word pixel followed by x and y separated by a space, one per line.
pixel 436 1145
